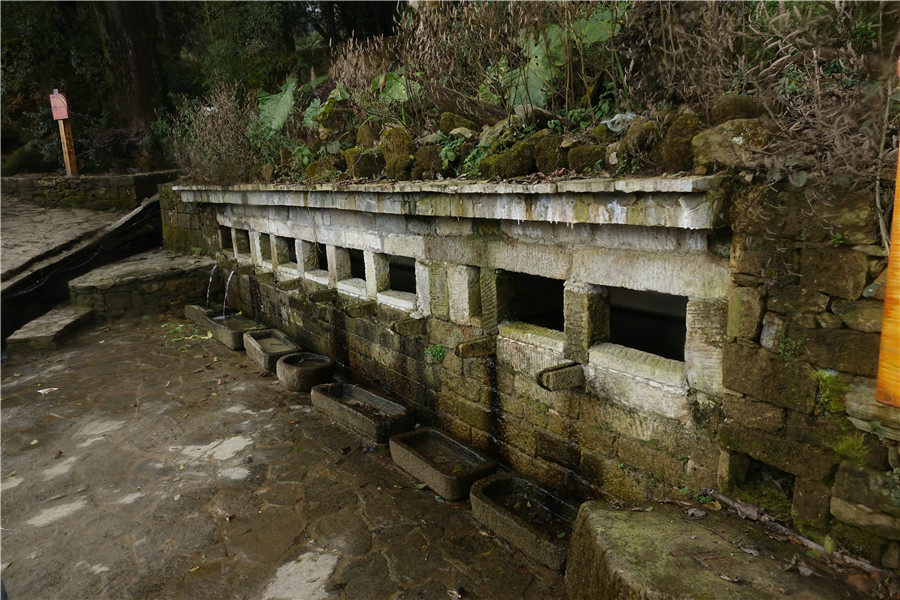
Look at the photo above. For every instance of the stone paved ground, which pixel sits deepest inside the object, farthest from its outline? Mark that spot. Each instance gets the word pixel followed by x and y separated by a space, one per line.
pixel 143 462
pixel 28 231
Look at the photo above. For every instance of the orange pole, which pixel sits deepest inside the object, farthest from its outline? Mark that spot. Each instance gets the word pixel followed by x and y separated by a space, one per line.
pixel 888 390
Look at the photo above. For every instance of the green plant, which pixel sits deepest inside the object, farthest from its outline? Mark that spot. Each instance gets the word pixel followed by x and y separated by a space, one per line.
pixel 450 149
pixel 473 160
pixel 891 486
pixel 788 348
pixel 830 396
pixel 837 240
pixel 852 448
pixel 555 125
pixel 436 353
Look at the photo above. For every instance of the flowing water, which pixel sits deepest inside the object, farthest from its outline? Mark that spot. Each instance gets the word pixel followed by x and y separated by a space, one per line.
pixel 225 299
pixel 209 285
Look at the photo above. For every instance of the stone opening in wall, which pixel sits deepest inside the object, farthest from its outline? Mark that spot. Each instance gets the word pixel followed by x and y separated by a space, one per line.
pixel 321 257
pixel 265 248
pixel 766 486
pixel 648 321
pixel 357 264
pixel 225 241
pixel 402 274
pixel 535 300
pixel 285 252
pixel 242 242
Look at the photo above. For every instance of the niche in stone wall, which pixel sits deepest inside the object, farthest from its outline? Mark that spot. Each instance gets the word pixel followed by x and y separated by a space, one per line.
pixel 402 273
pixel 225 241
pixel 241 243
pixel 357 264
pixel 321 254
pixel 648 321
pixel 265 249
pixel 758 483
pixel 285 252
pixel 535 300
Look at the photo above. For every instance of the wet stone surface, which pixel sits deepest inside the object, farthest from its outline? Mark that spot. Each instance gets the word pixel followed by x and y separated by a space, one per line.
pixel 144 461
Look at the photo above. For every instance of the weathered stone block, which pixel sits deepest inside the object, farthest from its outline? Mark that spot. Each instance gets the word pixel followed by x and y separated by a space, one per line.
pixel 759 256
pixel 769 377
pixel 518 433
pixel 744 312
pixel 650 460
pixel 834 271
pixel 865 518
pixel 639 380
pixel 464 293
pixel 863 315
pixel 810 504
pixel 558 449
pixel 795 298
pixel 705 321
pixel 596 438
pixel 586 310
pixel 752 414
pixel 773 330
pixel 863 485
pixel 788 455
pixel 840 349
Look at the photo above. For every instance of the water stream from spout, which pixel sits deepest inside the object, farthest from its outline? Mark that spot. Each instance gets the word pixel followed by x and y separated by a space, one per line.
pixel 209 286
pixel 225 299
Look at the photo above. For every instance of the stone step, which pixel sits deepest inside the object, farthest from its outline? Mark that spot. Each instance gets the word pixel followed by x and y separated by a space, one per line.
pixel 49 330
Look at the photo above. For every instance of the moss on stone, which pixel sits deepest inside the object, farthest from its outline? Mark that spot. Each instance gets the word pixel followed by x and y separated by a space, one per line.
pixel 732 106
pixel 548 156
pixel 676 146
pixel 639 138
pixel 367 134
pixel 601 135
pixel 364 162
pixel 450 121
pixel 515 162
pixel 324 169
pixel 428 162
pixel 585 158
pixel 398 149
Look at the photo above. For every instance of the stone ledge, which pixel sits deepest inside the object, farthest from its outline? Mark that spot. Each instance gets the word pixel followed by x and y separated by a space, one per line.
pixel 679 202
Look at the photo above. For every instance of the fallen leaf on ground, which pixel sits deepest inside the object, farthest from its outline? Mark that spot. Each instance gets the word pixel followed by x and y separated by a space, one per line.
pixel 194 569
pixel 47 390
pixel 420 485
pixel 57 454
pixel 696 513
pixel 10 474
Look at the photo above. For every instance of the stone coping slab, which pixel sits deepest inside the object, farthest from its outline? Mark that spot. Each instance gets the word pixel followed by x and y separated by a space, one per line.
pixel 448 467
pixel 680 202
pixel 529 517
pixel 665 554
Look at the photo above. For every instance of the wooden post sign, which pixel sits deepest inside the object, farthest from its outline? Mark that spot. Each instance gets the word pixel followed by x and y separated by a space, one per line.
pixel 60 108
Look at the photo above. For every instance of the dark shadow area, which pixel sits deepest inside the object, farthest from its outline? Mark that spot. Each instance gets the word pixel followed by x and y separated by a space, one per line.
pixel 648 321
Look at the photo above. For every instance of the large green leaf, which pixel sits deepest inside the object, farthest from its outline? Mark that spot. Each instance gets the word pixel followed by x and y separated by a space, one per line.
pixel 276 108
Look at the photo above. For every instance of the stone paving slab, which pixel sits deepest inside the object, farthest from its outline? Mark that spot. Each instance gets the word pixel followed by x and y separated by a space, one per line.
pixel 29 232
pixel 47 331
pixel 144 461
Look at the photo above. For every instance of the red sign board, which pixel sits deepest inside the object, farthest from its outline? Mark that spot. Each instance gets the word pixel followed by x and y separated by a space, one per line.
pixel 59 106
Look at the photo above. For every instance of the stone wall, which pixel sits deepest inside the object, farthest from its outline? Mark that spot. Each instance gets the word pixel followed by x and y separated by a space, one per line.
pixel 98 192
pixel 803 334
pixel 771 400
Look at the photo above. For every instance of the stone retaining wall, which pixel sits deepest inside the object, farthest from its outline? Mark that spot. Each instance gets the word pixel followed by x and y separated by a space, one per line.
pixel 98 192
pixel 771 400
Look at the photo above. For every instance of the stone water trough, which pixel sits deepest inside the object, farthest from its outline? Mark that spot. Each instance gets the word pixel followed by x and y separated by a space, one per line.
pixel 362 411
pixel 266 346
pixel 527 516
pixel 446 465
pixel 302 371
pixel 227 328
